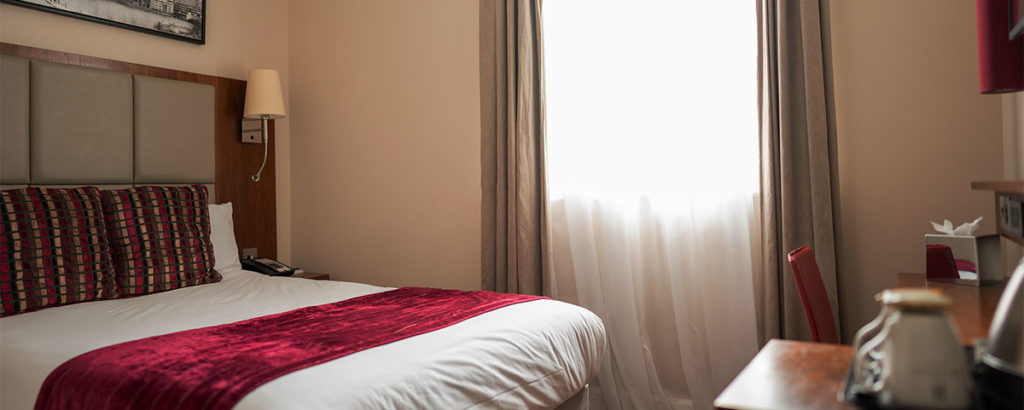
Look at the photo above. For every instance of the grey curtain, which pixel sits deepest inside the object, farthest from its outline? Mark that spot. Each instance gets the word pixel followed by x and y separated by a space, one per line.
pixel 515 251
pixel 799 185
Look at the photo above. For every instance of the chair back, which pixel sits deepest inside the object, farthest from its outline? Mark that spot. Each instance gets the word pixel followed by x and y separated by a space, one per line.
pixel 813 296
pixel 939 263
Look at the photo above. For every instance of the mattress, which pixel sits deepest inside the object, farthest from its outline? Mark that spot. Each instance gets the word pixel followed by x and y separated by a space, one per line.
pixel 529 355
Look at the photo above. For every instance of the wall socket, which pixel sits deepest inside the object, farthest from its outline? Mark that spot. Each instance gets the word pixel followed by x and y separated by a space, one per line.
pixel 249 253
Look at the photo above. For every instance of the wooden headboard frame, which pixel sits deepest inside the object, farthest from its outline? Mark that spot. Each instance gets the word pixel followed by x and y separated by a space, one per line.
pixel 254 203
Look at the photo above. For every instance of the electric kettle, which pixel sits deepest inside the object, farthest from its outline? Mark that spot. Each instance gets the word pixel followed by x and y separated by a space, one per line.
pixel 999 372
pixel 910 356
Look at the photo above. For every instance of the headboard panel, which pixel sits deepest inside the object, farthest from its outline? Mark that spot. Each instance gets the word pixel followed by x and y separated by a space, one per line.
pixel 93 121
pixel 14 168
pixel 80 125
pixel 172 149
pixel 88 126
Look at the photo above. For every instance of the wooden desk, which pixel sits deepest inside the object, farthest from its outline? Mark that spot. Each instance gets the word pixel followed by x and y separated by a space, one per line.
pixel 788 374
pixel 801 375
pixel 972 308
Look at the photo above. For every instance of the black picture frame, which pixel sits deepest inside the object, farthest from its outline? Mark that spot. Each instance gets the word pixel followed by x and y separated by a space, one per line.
pixel 138 9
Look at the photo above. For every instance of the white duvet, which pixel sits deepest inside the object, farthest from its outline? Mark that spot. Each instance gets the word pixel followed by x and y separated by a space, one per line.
pixel 529 355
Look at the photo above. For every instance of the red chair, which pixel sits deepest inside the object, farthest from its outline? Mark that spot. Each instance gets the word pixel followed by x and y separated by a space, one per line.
pixel 939 263
pixel 813 296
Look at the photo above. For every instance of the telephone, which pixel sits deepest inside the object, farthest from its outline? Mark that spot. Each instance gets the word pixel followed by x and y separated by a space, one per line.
pixel 267 266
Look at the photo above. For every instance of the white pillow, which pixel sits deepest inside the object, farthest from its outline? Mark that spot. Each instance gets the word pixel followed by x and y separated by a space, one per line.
pixel 222 234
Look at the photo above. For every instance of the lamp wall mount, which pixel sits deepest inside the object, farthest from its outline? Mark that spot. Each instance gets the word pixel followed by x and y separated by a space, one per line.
pixel 252 131
pixel 266 146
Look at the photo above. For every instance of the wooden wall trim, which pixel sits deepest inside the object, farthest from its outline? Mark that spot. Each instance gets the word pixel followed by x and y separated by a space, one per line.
pixel 254 203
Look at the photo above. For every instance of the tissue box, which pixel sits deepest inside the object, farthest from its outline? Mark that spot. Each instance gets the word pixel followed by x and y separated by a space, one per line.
pixel 974 260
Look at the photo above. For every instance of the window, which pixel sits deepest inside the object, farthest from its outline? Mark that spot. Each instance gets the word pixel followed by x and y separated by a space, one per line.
pixel 651 98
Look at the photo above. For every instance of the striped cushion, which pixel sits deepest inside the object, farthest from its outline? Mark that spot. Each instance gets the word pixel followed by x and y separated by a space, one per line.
pixel 159 238
pixel 53 249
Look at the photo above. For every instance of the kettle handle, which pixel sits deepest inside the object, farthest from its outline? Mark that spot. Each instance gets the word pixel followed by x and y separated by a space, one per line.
pixel 866 361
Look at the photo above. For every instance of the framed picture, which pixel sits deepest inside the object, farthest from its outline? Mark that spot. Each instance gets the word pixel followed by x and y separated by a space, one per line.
pixel 178 19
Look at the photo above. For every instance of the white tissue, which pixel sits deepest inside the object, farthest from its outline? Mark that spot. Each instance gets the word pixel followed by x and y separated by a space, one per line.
pixel 965 229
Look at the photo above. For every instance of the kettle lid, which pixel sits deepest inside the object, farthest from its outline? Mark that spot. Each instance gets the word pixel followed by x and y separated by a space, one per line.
pixel 914 298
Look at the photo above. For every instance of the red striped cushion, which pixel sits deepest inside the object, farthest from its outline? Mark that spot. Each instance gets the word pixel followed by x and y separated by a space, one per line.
pixel 159 238
pixel 53 249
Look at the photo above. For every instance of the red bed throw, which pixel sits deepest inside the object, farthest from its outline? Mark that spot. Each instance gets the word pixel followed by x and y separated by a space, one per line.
pixel 214 367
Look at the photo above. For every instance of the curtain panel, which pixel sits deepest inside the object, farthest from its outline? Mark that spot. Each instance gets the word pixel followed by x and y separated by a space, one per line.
pixel 652 179
pixel 515 251
pixel 799 183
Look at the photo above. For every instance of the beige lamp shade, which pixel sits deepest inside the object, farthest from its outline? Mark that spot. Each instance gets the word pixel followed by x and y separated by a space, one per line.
pixel 263 95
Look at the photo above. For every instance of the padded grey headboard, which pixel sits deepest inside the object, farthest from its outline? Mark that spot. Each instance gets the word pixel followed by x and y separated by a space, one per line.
pixel 65 125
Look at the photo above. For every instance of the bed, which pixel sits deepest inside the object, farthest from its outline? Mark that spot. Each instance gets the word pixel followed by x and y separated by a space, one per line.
pixel 536 354
pixel 531 355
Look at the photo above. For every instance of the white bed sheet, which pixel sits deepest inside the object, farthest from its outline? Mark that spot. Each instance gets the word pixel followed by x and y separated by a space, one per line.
pixel 529 355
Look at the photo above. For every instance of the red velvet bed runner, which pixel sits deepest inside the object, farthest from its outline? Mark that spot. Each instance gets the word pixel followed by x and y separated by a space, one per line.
pixel 214 367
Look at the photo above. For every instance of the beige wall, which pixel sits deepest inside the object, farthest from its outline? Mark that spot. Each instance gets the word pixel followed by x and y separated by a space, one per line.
pixel 1013 163
pixel 239 37
pixel 913 132
pixel 386 154
pixel 1013 135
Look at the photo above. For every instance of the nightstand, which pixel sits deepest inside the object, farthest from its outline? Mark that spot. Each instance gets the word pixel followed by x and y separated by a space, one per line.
pixel 312 275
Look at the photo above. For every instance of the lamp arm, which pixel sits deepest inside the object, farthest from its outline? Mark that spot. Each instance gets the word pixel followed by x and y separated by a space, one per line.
pixel 266 147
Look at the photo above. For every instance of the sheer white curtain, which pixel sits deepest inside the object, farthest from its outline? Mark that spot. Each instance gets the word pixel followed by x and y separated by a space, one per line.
pixel 652 162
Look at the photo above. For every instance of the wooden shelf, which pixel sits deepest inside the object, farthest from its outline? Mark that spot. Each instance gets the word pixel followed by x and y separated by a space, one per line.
pixel 1011 191
pixel 1013 186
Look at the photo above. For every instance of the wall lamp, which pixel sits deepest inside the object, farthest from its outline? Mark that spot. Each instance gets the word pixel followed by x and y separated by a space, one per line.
pixel 263 101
